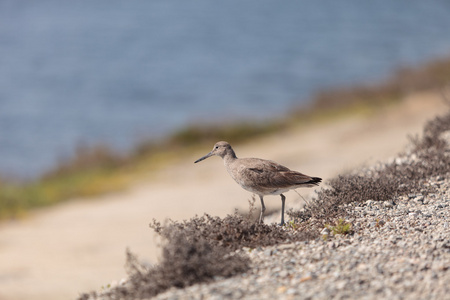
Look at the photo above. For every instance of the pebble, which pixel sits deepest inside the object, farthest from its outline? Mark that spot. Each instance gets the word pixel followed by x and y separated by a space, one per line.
pixel 325 231
pixel 388 204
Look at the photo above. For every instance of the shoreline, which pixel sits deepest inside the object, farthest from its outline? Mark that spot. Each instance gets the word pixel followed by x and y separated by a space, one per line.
pixel 98 170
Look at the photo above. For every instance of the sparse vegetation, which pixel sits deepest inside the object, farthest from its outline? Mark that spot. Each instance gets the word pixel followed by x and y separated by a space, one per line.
pixel 232 232
pixel 340 227
pixel 435 74
pixel 185 261
pixel 197 251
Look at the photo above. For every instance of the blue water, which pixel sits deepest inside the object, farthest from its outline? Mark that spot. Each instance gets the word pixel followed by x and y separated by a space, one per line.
pixel 116 72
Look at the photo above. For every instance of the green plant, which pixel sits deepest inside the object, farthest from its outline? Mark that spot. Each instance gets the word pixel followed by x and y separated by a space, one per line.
pixel 341 227
pixel 292 225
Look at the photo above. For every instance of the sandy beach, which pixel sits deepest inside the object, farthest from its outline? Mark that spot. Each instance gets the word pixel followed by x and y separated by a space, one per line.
pixel 80 245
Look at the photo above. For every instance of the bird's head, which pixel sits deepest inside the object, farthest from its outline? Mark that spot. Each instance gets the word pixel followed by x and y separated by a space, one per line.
pixel 220 149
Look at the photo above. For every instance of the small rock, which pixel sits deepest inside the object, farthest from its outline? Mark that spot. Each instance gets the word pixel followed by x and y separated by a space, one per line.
pixel 285 247
pixel 419 199
pixel 291 291
pixel 413 214
pixel 283 273
pixel 388 204
pixel 325 231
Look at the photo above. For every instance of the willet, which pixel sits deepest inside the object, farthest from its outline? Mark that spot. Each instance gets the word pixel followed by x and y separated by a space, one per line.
pixel 261 177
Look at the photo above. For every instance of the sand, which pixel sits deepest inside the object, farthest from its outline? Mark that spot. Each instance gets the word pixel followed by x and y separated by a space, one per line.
pixel 80 245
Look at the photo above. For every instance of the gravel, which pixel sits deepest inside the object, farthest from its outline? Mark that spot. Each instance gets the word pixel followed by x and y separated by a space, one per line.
pixel 400 249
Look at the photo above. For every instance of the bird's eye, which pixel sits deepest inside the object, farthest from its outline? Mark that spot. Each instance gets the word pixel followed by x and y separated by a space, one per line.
pixel 217 147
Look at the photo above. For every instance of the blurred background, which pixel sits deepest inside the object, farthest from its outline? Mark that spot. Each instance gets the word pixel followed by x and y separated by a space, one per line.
pixel 117 73
pixel 114 100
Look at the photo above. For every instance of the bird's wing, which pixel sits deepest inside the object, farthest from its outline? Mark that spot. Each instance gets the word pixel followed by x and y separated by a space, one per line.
pixel 269 174
pixel 262 165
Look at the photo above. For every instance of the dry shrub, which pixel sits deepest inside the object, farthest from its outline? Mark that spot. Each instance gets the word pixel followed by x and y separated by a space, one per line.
pixel 186 260
pixel 345 189
pixel 198 250
pixel 432 136
pixel 232 232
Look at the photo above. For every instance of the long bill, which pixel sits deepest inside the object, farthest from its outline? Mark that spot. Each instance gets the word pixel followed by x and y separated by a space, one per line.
pixel 204 157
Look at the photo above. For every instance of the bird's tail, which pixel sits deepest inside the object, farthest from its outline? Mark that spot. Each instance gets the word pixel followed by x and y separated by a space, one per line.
pixel 315 180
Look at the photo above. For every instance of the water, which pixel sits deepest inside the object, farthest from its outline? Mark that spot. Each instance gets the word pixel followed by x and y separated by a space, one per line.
pixel 116 72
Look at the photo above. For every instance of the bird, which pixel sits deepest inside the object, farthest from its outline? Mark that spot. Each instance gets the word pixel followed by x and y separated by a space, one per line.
pixel 260 176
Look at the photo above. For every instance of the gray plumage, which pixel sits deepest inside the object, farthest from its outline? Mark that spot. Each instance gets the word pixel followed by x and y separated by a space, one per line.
pixel 260 176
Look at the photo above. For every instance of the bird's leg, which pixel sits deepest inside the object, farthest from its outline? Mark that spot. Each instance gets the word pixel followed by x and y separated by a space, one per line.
pixel 263 209
pixel 283 199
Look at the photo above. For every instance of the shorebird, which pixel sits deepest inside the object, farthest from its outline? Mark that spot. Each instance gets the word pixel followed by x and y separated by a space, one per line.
pixel 261 177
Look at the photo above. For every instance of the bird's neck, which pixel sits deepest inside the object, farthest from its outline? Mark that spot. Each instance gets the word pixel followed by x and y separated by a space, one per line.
pixel 229 157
